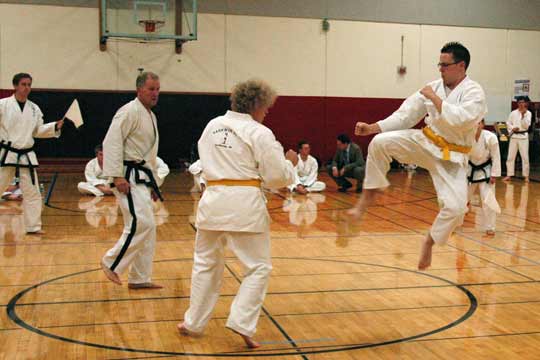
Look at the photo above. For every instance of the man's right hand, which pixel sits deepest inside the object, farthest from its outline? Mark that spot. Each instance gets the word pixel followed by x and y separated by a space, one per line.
pixel 122 185
pixel 335 172
pixel 363 129
pixel 292 156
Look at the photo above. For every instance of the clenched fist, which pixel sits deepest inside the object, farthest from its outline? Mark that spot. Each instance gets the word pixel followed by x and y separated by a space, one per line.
pixel 428 92
pixel 363 129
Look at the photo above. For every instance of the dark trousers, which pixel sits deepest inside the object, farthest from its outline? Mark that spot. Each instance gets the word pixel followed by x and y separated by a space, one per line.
pixel 354 173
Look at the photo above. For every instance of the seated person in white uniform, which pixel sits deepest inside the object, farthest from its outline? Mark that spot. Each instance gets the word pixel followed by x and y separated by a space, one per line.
pixel 98 185
pixel 306 172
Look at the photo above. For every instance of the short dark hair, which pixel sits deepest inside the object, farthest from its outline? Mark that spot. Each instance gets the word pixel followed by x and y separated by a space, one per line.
pixel 18 77
pixel 302 143
pixel 98 148
pixel 344 138
pixel 458 51
pixel 522 98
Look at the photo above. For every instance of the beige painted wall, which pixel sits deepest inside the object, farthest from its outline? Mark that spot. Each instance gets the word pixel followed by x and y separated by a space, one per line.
pixel 59 47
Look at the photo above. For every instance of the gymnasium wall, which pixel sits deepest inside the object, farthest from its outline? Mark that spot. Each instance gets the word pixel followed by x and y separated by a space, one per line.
pixel 327 81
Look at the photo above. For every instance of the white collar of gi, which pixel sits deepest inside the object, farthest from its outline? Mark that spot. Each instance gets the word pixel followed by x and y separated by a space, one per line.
pixel 240 116
pixel 459 86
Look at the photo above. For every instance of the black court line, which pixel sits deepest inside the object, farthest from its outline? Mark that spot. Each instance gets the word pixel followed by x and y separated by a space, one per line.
pixel 412 341
pixel 61 283
pixel 267 313
pixel 11 311
pixel 306 292
pixel 479 336
pixel 51 187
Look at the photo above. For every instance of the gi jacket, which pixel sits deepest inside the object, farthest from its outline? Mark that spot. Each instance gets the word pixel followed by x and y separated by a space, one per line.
pixel 462 109
pixel 236 147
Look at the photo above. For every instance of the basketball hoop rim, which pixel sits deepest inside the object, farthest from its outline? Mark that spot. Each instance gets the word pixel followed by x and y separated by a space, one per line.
pixel 150 25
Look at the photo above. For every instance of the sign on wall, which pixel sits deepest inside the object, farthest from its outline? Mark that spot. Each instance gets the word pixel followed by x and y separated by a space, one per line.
pixel 522 87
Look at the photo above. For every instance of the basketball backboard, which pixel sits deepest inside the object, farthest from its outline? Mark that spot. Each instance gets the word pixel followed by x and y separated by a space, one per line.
pixel 148 20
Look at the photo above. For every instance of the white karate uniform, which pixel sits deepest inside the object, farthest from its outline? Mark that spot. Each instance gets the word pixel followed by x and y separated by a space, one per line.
pixel 306 174
pixel 133 136
pixel 518 142
pixel 235 147
pixel 486 148
pixel 94 177
pixel 18 130
pixel 462 109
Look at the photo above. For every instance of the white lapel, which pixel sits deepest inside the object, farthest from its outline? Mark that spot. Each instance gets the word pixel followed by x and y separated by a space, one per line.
pixel 455 95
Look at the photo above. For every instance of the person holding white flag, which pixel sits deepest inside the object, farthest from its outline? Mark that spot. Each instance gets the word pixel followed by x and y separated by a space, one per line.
pixel 20 122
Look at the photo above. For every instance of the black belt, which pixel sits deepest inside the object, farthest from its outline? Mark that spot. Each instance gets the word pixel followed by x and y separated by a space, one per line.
pixel 520 132
pixel 482 167
pixel 138 166
pixel 17 165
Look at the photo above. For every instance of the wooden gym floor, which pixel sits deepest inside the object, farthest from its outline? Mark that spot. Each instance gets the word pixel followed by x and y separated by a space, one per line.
pixel 339 289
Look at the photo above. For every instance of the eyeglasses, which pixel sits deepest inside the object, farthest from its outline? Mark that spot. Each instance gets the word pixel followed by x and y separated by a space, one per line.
pixel 444 66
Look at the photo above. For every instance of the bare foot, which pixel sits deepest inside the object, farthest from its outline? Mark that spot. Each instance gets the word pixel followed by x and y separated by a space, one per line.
pixel 362 204
pixel 111 275
pixel 526 179
pixel 425 254
pixel 250 343
pixel 184 331
pixel 147 285
pixel 507 178
pixel 490 232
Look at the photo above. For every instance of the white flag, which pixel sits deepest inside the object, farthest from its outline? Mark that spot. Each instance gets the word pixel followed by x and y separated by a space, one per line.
pixel 74 114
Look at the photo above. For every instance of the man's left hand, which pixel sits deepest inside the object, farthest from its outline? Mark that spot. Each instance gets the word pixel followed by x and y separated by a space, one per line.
pixel 492 180
pixel 59 124
pixel 342 172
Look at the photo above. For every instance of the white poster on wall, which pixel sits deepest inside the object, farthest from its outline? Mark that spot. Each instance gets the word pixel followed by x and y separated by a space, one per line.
pixel 522 87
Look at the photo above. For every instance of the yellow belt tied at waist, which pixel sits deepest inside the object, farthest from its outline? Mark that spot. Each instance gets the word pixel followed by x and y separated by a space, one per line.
pixel 445 146
pixel 228 182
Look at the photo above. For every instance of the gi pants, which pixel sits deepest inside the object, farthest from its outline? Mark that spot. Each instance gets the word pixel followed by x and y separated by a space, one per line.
pixel 449 179
pixel 253 250
pixel 135 248
pixel 31 202
pixel 521 145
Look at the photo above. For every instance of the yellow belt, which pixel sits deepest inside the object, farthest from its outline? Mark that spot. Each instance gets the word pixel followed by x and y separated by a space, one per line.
pixel 445 146
pixel 228 182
